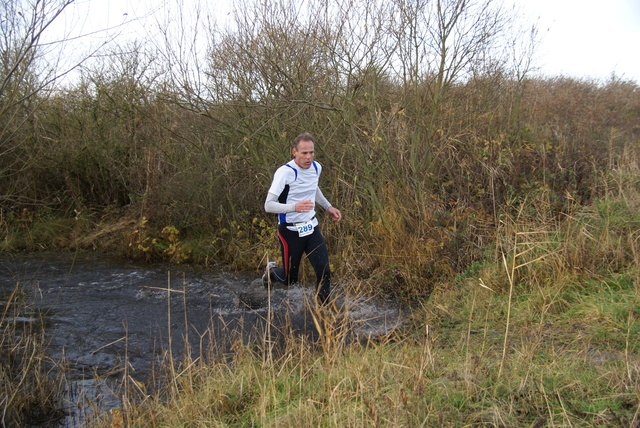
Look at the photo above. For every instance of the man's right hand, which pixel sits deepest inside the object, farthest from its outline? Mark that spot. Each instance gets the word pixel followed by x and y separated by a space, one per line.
pixel 304 206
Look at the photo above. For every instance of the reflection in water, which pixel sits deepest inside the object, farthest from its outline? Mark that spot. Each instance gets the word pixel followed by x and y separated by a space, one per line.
pixel 105 316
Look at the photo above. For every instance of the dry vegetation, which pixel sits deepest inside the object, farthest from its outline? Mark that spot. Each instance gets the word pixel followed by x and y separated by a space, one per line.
pixel 509 201
pixel 31 390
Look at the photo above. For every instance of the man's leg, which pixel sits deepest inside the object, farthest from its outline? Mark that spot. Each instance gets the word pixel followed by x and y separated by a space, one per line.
pixel 318 256
pixel 292 248
pixel 278 274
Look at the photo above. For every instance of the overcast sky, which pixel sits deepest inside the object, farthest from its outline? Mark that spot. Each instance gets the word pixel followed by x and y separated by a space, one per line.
pixel 587 38
pixel 580 38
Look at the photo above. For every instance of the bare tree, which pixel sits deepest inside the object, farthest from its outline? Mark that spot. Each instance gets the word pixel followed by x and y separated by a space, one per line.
pixel 439 43
pixel 376 74
pixel 21 29
pixel 23 72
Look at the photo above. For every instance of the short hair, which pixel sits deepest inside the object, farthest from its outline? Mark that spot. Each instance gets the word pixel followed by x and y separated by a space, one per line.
pixel 305 136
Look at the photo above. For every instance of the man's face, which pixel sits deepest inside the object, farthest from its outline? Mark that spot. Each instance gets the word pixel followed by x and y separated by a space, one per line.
pixel 303 155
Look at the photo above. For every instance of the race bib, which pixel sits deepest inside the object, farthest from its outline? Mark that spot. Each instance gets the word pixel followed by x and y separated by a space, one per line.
pixel 304 229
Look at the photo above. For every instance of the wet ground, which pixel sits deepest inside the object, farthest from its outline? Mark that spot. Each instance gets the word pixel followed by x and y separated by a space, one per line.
pixel 104 315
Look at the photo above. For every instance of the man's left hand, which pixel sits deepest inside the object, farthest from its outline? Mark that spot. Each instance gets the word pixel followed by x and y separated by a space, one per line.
pixel 335 213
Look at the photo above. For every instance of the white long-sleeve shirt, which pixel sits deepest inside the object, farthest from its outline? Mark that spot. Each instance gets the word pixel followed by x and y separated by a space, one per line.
pixel 292 184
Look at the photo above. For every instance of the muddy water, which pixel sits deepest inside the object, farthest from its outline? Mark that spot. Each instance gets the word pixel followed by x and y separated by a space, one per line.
pixel 104 315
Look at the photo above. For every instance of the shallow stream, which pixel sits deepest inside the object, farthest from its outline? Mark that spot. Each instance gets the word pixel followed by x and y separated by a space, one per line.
pixel 104 315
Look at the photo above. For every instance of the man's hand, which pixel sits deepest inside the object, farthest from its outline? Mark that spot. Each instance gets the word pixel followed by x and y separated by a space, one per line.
pixel 335 213
pixel 304 206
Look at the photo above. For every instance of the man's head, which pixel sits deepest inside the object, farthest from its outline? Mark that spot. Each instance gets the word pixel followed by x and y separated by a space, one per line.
pixel 303 150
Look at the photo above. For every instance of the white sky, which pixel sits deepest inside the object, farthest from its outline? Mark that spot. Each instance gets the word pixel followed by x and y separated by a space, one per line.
pixel 580 38
pixel 587 38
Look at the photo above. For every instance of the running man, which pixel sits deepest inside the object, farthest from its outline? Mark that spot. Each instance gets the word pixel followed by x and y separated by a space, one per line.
pixel 293 195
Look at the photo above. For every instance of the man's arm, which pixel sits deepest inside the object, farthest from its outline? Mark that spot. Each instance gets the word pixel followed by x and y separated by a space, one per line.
pixel 324 203
pixel 321 200
pixel 271 205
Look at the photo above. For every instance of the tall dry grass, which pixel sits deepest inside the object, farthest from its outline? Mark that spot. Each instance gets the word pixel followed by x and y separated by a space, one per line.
pixel 450 367
pixel 31 385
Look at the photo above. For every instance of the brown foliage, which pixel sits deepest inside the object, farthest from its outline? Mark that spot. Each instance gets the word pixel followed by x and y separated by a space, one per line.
pixel 423 164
